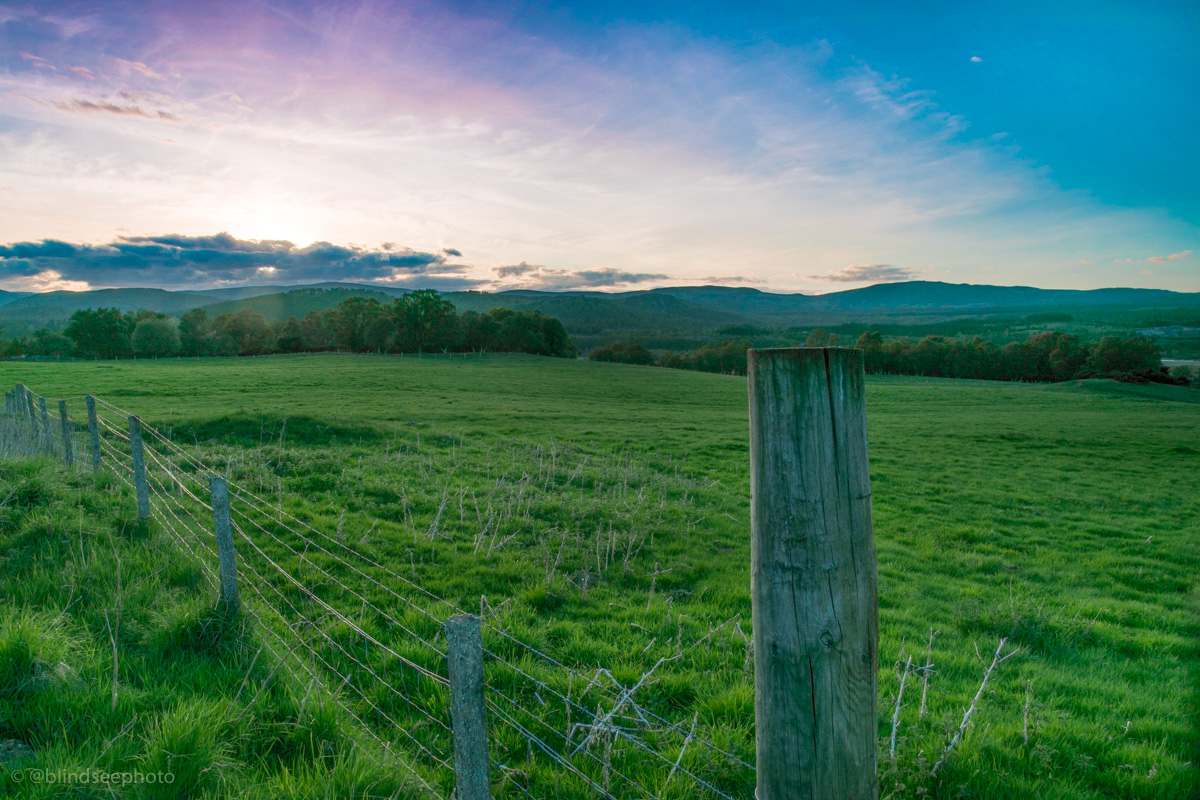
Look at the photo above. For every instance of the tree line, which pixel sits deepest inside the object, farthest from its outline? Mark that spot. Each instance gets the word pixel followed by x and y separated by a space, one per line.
pixel 1049 357
pixel 419 322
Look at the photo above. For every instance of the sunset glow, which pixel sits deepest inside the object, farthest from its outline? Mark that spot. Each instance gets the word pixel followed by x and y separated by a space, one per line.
pixel 610 149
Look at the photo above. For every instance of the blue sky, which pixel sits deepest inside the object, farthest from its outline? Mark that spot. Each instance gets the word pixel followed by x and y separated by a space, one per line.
pixel 791 147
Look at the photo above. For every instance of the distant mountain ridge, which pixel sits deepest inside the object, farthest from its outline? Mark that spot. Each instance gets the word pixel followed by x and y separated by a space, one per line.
pixel 125 299
pixel 902 295
pixel 8 297
pixel 679 309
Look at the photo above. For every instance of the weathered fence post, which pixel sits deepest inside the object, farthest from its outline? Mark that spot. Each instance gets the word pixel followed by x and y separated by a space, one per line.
pixel 139 467
pixel 93 432
pixel 44 438
pixel 32 417
pixel 813 576
pixel 226 556
pixel 464 656
pixel 68 450
pixel 31 410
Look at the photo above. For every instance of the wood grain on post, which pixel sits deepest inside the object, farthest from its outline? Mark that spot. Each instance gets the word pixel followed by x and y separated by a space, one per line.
pixel 44 436
pixel 813 576
pixel 93 432
pixel 464 656
pixel 30 408
pixel 218 492
pixel 139 467
pixel 68 451
pixel 32 417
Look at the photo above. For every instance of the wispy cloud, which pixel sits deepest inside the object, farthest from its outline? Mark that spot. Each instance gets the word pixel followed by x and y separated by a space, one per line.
pixel 1172 257
pixel 867 273
pixel 721 280
pixel 101 107
pixel 517 270
pixel 535 276
pixel 140 68
pixel 37 61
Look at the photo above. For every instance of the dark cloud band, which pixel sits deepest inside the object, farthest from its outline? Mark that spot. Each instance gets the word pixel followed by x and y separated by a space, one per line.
pixel 867 273
pixel 535 276
pixel 199 261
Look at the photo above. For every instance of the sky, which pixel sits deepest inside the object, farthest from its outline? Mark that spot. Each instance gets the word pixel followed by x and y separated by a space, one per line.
pixel 807 147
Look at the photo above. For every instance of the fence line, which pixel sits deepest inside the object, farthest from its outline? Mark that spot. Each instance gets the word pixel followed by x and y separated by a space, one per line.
pixel 294 588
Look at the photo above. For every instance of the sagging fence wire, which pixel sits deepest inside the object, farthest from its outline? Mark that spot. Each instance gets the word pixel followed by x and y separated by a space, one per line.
pixel 386 669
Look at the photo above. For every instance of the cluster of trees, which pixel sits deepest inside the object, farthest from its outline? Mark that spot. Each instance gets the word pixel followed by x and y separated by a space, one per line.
pixel 1045 357
pixel 728 357
pixel 420 321
pixel 1049 357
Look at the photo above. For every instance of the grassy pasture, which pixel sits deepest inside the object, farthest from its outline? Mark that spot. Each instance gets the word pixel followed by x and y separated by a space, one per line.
pixel 1063 517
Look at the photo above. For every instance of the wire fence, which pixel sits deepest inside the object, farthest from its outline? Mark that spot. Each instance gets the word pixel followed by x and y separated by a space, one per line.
pixel 338 621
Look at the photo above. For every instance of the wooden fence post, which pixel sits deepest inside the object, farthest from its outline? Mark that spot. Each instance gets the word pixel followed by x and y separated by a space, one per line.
pixel 813 576
pixel 218 493
pixel 139 467
pixel 93 432
pixel 464 656
pixel 68 450
pixel 32 417
pixel 44 439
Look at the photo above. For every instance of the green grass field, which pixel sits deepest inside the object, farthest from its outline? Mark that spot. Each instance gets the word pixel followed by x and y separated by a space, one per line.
pixel 602 510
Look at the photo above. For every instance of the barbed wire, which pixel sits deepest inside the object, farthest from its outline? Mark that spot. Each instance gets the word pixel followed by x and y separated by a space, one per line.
pixel 316 627
pixel 361 724
pixel 159 493
pixel 164 476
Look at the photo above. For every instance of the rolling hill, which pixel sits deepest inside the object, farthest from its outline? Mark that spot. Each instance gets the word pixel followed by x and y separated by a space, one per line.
pixel 930 295
pixel 27 314
pixel 8 297
pixel 296 302
pixel 677 314
pixel 582 315
pixel 124 299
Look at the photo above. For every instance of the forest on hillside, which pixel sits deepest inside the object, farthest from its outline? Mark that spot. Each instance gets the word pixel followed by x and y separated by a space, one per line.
pixel 1051 356
pixel 418 322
